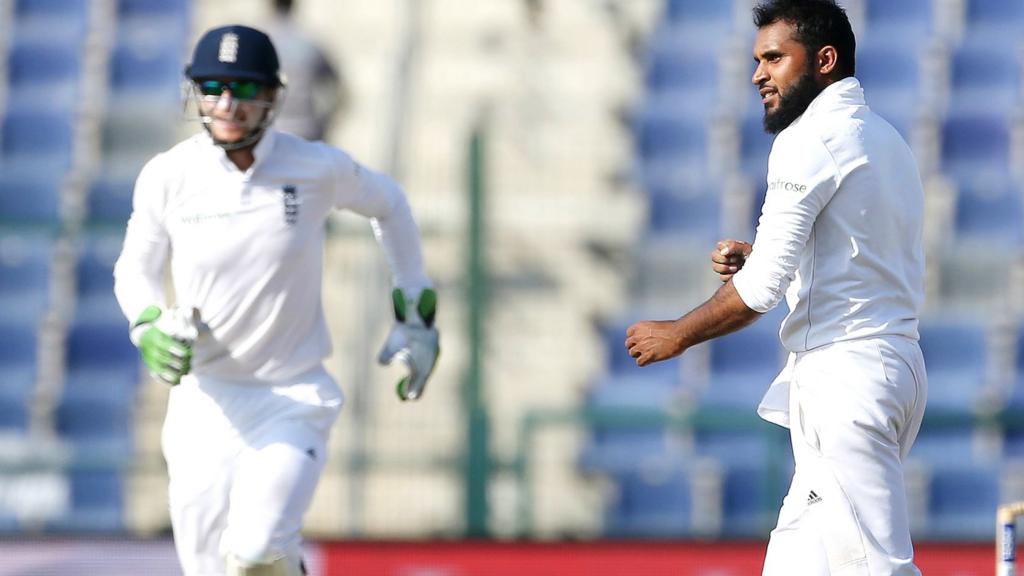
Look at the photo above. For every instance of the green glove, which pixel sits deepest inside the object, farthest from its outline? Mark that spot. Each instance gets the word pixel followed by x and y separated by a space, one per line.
pixel 164 340
pixel 413 340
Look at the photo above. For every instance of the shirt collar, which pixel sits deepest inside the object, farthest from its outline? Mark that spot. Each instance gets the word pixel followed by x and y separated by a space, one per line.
pixel 260 152
pixel 845 93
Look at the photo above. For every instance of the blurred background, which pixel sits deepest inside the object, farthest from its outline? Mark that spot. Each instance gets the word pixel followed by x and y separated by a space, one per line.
pixel 571 164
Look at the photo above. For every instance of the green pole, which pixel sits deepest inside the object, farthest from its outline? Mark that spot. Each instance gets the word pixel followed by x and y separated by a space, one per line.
pixel 476 462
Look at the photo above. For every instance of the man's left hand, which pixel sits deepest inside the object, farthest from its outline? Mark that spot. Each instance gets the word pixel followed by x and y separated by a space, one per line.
pixel 652 341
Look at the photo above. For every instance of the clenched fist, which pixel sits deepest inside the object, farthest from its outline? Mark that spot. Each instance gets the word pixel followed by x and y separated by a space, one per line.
pixel 652 341
pixel 728 257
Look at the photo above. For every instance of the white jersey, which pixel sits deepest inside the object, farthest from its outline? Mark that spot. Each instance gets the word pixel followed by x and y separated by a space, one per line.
pixel 840 233
pixel 247 248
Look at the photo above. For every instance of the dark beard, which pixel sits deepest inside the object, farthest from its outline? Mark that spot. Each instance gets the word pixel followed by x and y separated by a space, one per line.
pixel 792 104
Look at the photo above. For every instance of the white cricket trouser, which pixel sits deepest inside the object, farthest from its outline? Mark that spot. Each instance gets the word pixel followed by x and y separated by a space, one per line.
pixel 855 410
pixel 244 459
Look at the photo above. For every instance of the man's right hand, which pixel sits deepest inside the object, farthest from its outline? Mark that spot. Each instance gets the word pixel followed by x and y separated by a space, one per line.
pixel 728 257
pixel 164 340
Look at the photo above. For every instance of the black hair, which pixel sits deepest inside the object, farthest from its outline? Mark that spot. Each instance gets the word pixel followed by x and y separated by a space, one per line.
pixel 818 23
pixel 283 6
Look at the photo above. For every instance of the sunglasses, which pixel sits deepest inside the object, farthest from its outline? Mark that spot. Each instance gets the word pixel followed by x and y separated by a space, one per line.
pixel 241 89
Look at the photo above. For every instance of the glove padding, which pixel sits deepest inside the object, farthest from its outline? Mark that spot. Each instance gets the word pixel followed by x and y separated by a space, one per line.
pixel 413 340
pixel 165 339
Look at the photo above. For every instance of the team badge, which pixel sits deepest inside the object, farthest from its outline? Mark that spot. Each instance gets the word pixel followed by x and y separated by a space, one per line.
pixel 291 204
pixel 228 48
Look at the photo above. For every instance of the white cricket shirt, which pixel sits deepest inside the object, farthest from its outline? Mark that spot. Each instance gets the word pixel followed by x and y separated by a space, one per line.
pixel 247 248
pixel 840 229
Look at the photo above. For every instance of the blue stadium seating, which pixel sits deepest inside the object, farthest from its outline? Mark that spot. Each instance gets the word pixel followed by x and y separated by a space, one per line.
pixel 743 364
pixel 654 502
pixel 100 425
pixel 990 211
pixel 755 145
pixel 110 200
pixel 38 139
pixel 962 500
pixel 153 69
pixel 25 267
pixel 976 145
pixel 30 197
pixel 995 22
pixel 696 215
pixel 101 361
pixel 907 22
pixel 60 21
pixel 985 81
pixel 95 278
pixel 18 361
pixel 956 354
pixel 44 75
pixel 97 502
pixel 892 80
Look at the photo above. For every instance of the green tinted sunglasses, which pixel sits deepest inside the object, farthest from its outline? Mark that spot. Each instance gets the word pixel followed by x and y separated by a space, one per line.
pixel 241 89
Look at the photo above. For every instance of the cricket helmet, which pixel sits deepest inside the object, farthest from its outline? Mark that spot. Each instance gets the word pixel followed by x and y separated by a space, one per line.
pixel 236 52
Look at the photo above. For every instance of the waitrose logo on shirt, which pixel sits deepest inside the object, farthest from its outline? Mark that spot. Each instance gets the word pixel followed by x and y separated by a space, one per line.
pixel 779 184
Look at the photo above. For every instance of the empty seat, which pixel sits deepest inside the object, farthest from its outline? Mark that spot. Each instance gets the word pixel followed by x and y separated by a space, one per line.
pixel 60 21
pixel 985 80
pixel 697 215
pixel 110 200
pixel 755 145
pixel 906 22
pixel 26 261
pixel 653 502
pixel 18 361
pixel 42 139
pixel 94 274
pixel 990 211
pixel 97 502
pixel 956 354
pixel 101 361
pixel 995 22
pixel 892 80
pixel 743 364
pixel 976 145
pixel 42 74
pixel 150 70
pixel 30 197
pixel 96 424
pixel 962 501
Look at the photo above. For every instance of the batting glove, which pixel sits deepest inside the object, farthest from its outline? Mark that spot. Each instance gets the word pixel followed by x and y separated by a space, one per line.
pixel 164 339
pixel 413 340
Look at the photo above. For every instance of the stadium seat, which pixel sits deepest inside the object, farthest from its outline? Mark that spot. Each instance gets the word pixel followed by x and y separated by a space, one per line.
pixel 110 200
pixel 43 74
pixel 743 364
pixel 100 425
pixel 146 70
pixel 94 274
pixel 59 21
pixel 906 23
pixel 956 354
pixel 652 502
pixel 962 501
pixel 755 145
pixel 995 22
pixel 697 215
pixel 986 81
pixel 892 80
pixel 42 140
pixel 97 502
pixel 694 24
pixel 26 261
pixel 976 146
pixel 101 361
pixel 990 211
pixel 19 360
pixel 30 197
pixel 757 467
